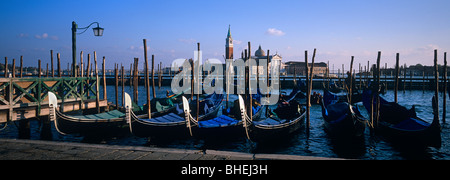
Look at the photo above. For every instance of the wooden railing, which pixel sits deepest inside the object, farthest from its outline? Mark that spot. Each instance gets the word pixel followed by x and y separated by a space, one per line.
pixel 19 93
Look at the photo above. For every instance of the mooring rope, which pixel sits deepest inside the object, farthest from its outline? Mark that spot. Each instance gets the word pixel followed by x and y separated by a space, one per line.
pixel 4 127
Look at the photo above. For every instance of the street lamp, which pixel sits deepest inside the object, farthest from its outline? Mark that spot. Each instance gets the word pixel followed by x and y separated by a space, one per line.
pixel 98 31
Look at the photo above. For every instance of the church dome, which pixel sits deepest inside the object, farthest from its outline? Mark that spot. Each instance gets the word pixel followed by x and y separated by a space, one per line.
pixel 260 52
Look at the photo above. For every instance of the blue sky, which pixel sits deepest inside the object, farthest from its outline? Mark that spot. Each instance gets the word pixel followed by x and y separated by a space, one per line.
pixel 338 29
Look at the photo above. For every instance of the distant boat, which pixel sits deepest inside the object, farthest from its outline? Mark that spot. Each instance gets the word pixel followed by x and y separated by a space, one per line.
pixel 402 125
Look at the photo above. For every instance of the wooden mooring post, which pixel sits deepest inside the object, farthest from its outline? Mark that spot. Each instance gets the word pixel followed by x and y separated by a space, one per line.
pixel 147 82
pixel 436 79
pixel 397 72
pixel 444 101
pixel 351 81
pixel 153 76
pixel 308 94
pixel 116 87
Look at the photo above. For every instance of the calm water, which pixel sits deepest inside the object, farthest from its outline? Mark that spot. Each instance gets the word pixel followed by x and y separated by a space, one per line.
pixel 317 143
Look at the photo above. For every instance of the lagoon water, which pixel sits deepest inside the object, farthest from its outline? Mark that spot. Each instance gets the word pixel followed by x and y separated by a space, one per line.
pixel 317 143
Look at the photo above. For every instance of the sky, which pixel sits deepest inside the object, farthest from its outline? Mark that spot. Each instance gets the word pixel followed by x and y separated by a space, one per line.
pixel 337 29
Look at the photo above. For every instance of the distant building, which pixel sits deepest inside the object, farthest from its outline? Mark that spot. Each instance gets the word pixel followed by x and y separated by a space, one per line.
pixel 274 60
pixel 320 69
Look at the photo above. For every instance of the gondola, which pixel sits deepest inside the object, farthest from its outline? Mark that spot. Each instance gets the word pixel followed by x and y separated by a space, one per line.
pixel 85 124
pixel 172 122
pixel 341 119
pixel 278 125
pixel 402 125
pixel 334 87
pixel 228 125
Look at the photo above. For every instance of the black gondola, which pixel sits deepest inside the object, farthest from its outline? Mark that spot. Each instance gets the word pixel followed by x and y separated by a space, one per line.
pixel 341 119
pixel 274 127
pixel 226 126
pixel 85 124
pixel 172 122
pixel 402 125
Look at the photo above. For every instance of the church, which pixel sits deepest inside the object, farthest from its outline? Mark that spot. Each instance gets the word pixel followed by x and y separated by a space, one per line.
pixel 274 60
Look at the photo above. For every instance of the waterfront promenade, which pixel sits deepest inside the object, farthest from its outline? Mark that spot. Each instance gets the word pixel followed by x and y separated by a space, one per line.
pixel 18 149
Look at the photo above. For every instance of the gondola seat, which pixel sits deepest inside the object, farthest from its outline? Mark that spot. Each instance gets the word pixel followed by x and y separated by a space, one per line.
pixel 412 124
pixel 221 121
pixel 107 115
pixel 169 118
pixel 269 121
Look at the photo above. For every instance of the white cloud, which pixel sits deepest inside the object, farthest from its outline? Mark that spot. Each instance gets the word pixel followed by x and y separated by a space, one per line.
pixel 45 36
pixel 275 32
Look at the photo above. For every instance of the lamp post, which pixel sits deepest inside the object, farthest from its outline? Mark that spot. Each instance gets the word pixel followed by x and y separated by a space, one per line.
pixel 98 31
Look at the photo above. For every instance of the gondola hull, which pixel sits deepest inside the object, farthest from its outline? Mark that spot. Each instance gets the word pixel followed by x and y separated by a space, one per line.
pixel 349 127
pixel 270 133
pixel 171 124
pixel 272 128
pixel 429 137
pixel 168 126
pixel 222 128
pixel 341 120
pixel 403 126
pixel 224 133
pixel 67 125
pixel 141 129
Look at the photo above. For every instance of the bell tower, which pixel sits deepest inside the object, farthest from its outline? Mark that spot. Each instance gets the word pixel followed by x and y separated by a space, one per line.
pixel 229 45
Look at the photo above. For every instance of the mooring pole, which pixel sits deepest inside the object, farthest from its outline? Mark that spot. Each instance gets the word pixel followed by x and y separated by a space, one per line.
pixel 378 87
pixel 21 66
pixel 351 81
pixel 81 65
pixel 147 81
pixel 123 84
pixel 51 59
pixel 268 82
pixel 308 92
pixel 14 68
pixel 6 67
pixel 82 84
pixel 88 72
pixel 444 110
pixel 116 86
pixel 97 85
pixel 136 79
pixel 153 76
pixel 404 78
pixel 436 79
pixel 198 80
pixel 397 72
pixel 160 75
pixel 249 82
pixel 105 97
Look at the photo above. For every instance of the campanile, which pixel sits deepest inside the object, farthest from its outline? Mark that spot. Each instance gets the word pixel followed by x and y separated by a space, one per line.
pixel 229 45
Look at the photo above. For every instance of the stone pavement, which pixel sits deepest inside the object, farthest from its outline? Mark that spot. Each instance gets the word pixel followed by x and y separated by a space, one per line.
pixel 18 149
